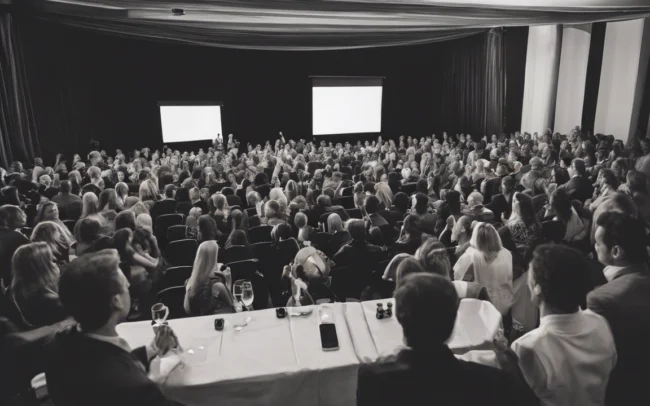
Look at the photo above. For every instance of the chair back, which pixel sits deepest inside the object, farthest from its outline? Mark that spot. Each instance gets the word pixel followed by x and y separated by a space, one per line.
pixel 346 201
pixel 248 270
pixel 174 298
pixel 389 234
pixel 184 208
pixel 182 252
pixel 409 188
pixel 162 223
pixel 176 276
pixel 554 230
pixel 175 233
pixel 236 253
pixel 254 221
pixel 354 213
pixel 348 283
pixel 259 234
pixel 320 240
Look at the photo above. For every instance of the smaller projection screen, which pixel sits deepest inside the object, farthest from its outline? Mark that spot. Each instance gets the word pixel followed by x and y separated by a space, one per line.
pixel 190 121
pixel 346 105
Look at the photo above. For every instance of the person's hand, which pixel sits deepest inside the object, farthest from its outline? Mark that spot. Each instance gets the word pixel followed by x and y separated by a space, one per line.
pixel 164 340
pixel 506 358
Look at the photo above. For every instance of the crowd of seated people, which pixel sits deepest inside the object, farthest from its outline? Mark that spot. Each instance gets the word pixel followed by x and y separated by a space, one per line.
pixel 550 228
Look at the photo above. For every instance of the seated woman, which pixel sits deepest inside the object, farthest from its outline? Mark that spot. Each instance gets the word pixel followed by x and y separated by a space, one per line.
pixel 109 206
pixel 208 290
pixel 238 238
pixel 140 262
pixel 434 258
pixel 491 265
pixel 34 288
pixel 339 235
pixel 411 236
pixel 49 211
pixel 207 229
pixel 87 233
pixel 125 219
pixel 51 233
pixel 193 217
pixel 304 229
pixel 523 223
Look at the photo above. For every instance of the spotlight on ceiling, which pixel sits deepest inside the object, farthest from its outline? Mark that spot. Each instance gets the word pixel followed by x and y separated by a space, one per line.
pixel 178 11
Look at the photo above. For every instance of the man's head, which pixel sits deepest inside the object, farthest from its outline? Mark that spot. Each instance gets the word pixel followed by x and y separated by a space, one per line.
pixel 578 167
pixel 371 205
pixel 426 307
pixel 620 240
pixel 558 277
pixel 12 217
pixel 94 290
pixel 64 186
pixel 170 191
pixel 536 164
pixel 323 201
pixel 357 229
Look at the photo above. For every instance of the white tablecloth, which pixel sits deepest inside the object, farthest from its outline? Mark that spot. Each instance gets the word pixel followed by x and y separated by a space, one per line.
pixel 280 361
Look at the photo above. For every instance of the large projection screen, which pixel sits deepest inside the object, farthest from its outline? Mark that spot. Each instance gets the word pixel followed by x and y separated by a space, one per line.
pixel 346 105
pixel 190 121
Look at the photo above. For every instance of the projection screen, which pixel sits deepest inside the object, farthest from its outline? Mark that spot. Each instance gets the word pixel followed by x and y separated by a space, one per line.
pixel 190 121
pixel 346 105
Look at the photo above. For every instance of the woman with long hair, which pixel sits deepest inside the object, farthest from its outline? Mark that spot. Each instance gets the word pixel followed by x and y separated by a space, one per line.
pixel 51 233
pixel 359 195
pixel 122 190
pixel 49 211
pixel 34 286
pixel 75 182
pixel 89 205
pixel 384 194
pixel 411 235
pixel 237 237
pixel 523 224
pixel 208 290
pixel 109 206
pixel 291 190
pixel 193 217
pixel 208 230
pixel 149 191
pixel 123 243
pixel 491 265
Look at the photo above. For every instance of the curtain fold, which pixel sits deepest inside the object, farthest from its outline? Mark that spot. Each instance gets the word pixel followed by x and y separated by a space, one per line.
pixel 495 83
pixel 324 25
pixel 18 140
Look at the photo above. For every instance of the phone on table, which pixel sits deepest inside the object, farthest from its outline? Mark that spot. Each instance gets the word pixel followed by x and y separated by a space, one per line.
pixel 328 338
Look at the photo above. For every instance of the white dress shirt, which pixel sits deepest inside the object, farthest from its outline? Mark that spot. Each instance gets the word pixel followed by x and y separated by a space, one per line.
pixel 568 358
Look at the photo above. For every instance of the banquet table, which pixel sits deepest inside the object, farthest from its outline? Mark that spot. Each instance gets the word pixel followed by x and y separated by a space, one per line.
pixel 274 361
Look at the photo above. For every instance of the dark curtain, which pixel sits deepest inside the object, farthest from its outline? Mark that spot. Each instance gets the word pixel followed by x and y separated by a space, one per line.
pixel 516 47
pixel 495 80
pixel 18 138
pixel 592 78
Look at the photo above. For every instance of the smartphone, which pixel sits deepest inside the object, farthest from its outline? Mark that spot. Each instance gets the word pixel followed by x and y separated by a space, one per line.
pixel 328 338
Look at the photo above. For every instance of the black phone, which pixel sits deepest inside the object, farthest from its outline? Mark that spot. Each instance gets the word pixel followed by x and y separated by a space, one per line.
pixel 328 338
pixel 218 324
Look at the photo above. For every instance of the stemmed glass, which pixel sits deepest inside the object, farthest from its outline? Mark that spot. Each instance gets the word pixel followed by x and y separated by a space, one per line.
pixel 242 291
pixel 248 295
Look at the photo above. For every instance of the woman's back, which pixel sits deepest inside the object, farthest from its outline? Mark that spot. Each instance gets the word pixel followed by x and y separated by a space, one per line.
pixel 207 299
pixel 496 277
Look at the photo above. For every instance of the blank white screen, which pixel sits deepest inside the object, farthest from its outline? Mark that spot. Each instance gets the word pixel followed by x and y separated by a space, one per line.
pixel 190 123
pixel 346 109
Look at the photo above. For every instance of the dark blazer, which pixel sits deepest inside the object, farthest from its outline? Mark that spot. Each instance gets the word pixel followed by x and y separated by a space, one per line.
pixel 492 188
pixel 579 188
pixel 83 371
pixel 500 205
pixel 10 241
pixel 625 303
pixel 410 378
pixel 67 206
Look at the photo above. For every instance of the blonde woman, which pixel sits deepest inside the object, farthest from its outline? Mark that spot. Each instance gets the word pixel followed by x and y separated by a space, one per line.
pixel 34 286
pixel 193 217
pixel 291 190
pixel 278 195
pixel 384 194
pixel 148 191
pixel 122 190
pixel 491 265
pixel 51 233
pixel 208 290
pixel 95 175
pixel 359 195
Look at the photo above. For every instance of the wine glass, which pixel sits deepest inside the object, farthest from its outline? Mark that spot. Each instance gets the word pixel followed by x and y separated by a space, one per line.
pixel 159 313
pixel 247 294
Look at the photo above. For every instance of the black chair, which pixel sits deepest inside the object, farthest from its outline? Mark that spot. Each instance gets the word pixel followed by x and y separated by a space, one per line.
pixel 320 240
pixel 251 211
pixel 354 213
pixel 174 299
pixel 347 282
pixel 389 234
pixel 554 230
pixel 163 222
pixel 248 270
pixel 254 221
pixel 134 189
pixel 409 188
pixel 236 253
pixel 175 276
pixel 27 231
pixel 70 225
pixel 184 208
pixel 175 233
pixel 261 249
pixel 182 252
pixel 259 234
pixel 347 191
pixel 346 201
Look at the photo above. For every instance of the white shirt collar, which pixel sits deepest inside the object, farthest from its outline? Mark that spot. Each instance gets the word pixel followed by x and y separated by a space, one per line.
pixel 612 272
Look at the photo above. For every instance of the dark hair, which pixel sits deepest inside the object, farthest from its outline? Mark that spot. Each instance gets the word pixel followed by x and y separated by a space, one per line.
pixel 401 201
pixel 87 230
pixel 11 216
pixel 561 203
pixel 408 266
pixel 371 204
pixel 579 166
pixel 281 231
pixel 237 237
pixel 527 209
pixel 207 228
pixel 426 306
pixel 64 186
pixel 125 219
pixel 421 203
pixel 120 241
pixel 357 230
pixel 87 287
pixel 637 182
pixel 453 201
pixel 412 226
pixel 609 178
pixel 422 186
pixel 567 160
pixel 561 273
pixel 323 201
pixel 626 232
pixel 169 191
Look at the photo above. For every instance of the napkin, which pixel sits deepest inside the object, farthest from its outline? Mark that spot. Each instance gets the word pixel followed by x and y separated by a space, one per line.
pixel 162 366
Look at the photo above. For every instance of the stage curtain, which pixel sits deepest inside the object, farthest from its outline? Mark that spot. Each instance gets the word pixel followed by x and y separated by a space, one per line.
pixel 319 25
pixel 495 83
pixel 18 140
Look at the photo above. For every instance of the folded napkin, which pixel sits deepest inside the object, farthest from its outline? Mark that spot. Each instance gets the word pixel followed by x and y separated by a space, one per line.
pixel 162 366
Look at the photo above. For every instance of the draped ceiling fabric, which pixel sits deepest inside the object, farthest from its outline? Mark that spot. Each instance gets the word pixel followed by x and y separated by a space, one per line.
pixel 324 24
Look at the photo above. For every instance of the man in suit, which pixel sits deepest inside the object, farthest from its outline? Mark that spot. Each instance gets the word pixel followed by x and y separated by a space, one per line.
pixel 66 201
pixel 625 302
pixel 88 363
pixel 165 206
pixel 579 186
pixel 427 372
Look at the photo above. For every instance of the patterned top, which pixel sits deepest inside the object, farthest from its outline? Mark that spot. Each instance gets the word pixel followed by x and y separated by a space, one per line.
pixel 522 235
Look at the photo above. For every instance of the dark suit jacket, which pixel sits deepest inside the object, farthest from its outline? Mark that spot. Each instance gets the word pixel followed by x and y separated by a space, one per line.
pixel 10 241
pixel 579 188
pixel 436 378
pixel 66 203
pixel 625 303
pixel 83 371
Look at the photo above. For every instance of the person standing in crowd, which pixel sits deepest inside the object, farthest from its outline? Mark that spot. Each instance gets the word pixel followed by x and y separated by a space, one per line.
pixel 89 363
pixel 426 307
pixel 568 359
pixel 625 302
